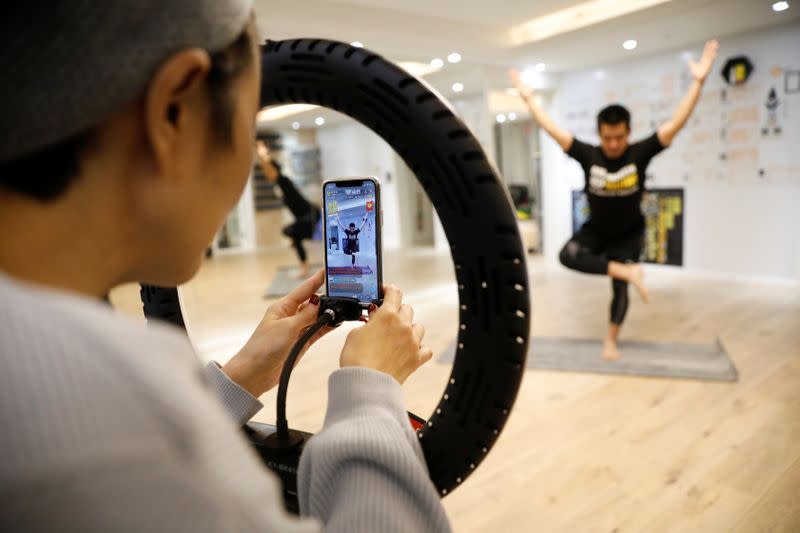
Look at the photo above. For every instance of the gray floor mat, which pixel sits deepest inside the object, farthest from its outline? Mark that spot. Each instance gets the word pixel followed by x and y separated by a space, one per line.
pixel 641 358
pixel 283 283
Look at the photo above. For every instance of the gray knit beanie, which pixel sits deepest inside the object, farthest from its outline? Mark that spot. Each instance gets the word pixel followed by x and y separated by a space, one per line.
pixel 68 65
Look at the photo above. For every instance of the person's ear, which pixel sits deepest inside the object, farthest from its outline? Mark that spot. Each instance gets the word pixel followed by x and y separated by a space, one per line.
pixel 171 98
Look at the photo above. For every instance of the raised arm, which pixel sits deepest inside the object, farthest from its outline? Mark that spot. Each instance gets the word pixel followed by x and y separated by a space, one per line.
pixel 668 130
pixel 338 221
pixel 362 223
pixel 560 135
pixel 265 161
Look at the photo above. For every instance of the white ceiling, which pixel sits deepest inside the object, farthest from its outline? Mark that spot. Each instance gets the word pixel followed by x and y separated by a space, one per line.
pixel 675 25
pixel 419 30
pixel 423 29
pixel 499 13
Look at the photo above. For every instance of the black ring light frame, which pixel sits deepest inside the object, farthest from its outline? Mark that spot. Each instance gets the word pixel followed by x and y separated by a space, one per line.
pixel 477 217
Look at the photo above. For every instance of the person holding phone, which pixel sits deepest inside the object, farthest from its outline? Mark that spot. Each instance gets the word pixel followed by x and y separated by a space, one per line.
pixel 305 213
pixel 111 425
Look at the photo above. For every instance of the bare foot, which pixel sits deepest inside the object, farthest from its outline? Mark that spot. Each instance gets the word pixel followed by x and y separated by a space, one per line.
pixel 610 351
pixel 631 273
pixel 636 278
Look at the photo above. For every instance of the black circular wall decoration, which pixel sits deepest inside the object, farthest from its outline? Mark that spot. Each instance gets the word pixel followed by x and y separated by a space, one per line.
pixel 477 216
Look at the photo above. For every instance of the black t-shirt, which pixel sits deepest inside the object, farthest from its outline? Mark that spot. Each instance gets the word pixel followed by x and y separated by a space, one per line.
pixel 614 186
pixel 351 244
pixel 293 200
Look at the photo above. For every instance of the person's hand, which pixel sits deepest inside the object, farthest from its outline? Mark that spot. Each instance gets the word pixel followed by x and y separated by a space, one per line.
pixel 262 151
pixel 524 91
pixel 701 69
pixel 257 366
pixel 390 342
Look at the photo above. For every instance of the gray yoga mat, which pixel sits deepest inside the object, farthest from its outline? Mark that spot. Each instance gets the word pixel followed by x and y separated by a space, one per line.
pixel 283 283
pixel 639 358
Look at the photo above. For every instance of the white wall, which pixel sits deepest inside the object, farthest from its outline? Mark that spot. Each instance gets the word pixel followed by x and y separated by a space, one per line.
pixel 559 177
pixel 247 218
pixel 240 224
pixel 737 222
pixel 350 149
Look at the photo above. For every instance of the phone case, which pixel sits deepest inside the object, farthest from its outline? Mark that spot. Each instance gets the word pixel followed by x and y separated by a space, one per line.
pixel 378 233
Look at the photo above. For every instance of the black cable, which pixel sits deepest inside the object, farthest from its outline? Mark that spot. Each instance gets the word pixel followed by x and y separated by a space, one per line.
pixel 332 312
pixel 325 318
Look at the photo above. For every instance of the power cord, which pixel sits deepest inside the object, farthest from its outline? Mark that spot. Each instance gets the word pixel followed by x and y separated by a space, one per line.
pixel 332 312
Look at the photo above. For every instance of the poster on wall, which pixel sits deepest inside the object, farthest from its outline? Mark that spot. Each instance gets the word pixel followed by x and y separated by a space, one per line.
pixel 663 210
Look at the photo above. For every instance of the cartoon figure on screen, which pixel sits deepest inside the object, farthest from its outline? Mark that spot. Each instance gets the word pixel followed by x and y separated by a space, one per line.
pixel 351 245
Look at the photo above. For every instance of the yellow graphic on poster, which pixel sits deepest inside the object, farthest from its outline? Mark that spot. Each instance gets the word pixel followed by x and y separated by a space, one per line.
pixel 663 215
pixel 663 211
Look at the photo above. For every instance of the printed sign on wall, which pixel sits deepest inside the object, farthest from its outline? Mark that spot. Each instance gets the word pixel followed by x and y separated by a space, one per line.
pixel 663 215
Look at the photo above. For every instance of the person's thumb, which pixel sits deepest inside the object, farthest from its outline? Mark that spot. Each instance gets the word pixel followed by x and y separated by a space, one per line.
pixel 307 313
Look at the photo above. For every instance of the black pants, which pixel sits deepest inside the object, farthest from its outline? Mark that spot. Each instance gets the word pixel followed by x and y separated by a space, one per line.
pixel 301 229
pixel 589 252
pixel 351 247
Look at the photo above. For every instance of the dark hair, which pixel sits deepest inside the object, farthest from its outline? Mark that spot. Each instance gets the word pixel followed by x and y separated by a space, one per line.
pixel 614 114
pixel 47 174
pixel 353 224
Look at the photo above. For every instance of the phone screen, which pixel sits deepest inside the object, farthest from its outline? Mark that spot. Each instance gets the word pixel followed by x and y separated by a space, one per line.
pixel 352 240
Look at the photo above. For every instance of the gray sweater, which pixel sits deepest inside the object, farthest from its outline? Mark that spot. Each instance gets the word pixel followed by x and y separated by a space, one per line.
pixel 109 425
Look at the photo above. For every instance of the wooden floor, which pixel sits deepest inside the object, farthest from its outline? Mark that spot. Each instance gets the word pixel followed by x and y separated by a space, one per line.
pixel 580 453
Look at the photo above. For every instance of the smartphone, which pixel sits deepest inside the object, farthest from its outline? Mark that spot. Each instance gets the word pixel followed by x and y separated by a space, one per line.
pixel 352 227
